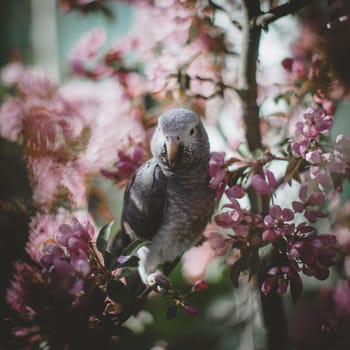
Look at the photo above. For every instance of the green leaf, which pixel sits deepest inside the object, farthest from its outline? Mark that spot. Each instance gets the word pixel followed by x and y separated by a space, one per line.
pixel 107 260
pixel 106 235
pixel 171 312
pixel 235 175
pixel 119 293
pixel 240 265
pixel 293 169
pixel 132 261
pixel 134 246
pixel 254 262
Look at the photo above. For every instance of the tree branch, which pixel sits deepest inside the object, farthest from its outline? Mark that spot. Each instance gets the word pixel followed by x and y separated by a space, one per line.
pixel 264 19
pixel 272 305
pixel 247 73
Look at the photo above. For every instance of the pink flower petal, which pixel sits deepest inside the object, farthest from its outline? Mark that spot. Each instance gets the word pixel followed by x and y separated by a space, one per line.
pixel 260 185
pixel 235 192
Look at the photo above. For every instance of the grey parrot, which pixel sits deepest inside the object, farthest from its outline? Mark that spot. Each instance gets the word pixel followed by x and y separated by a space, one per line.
pixel 168 201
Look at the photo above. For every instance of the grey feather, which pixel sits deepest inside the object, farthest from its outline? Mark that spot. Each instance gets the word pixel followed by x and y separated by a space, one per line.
pixel 169 200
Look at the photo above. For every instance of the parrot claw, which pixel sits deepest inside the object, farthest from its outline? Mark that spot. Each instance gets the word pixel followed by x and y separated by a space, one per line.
pixel 160 280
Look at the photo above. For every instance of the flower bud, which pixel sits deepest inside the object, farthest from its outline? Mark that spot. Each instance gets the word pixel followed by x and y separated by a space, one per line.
pixel 191 309
pixel 200 285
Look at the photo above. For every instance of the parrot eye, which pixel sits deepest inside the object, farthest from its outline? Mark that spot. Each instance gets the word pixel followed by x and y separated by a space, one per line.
pixel 192 131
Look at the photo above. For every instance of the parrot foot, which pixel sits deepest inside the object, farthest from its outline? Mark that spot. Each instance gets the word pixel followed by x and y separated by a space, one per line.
pixel 160 280
pixel 155 279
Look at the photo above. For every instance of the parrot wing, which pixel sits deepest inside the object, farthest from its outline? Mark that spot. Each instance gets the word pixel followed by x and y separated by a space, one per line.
pixel 145 202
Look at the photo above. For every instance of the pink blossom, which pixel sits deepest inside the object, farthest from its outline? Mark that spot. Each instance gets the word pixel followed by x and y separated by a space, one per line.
pixel 135 84
pixel 235 192
pixel 171 61
pixel 322 176
pixel 287 64
pixel 11 73
pixel 83 57
pixel 11 118
pixel 66 262
pixel 342 149
pixel 308 203
pixel 295 67
pixel 313 157
pixel 107 113
pixel 36 83
pixel 43 228
pixel 335 162
pixel 128 161
pixel 277 223
pixel 315 253
pixel 204 68
pixel 298 70
pixel 327 105
pixel 52 180
pixel 343 143
pixel 219 243
pixel 200 285
pixel 42 119
pixel 191 309
pixel 42 232
pixel 264 185
pixel 343 238
pixel 158 73
pixel 236 218
pixel 47 131
pixel 300 147
pixel 217 171
pixel 232 217
pixel 315 122
pixel 279 278
pixel 27 290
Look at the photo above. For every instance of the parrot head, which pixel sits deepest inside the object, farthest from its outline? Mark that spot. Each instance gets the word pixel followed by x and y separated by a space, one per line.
pixel 180 140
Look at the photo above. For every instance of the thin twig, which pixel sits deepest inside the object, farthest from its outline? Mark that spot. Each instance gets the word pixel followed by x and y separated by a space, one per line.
pixel 93 252
pixel 221 8
pixel 264 19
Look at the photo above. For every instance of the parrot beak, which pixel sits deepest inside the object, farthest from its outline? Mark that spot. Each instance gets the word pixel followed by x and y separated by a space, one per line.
pixel 172 148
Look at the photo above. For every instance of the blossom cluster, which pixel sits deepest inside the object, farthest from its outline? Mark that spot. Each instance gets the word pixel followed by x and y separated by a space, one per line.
pixel 63 140
pixel 217 172
pixel 300 247
pixel 175 63
pixel 59 283
pixel 313 74
pixel 66 263
pixel 128 161
pixel 308 144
